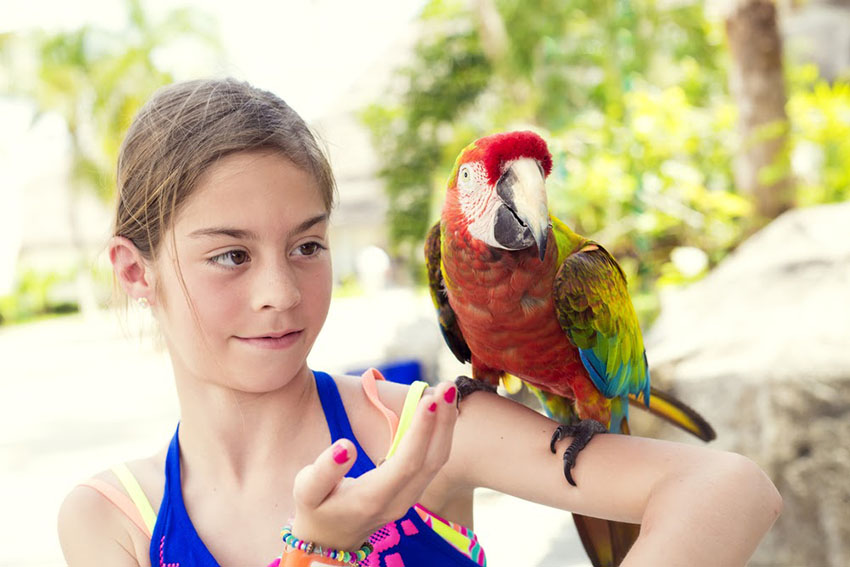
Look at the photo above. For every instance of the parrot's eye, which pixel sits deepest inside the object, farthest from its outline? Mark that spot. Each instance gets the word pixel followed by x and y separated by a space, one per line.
pixel 464 176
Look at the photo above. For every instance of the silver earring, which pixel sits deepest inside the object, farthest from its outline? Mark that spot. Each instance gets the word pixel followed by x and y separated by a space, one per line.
pixel 143 302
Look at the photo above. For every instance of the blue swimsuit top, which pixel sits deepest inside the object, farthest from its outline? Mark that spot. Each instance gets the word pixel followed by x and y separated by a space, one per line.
pixel 407 542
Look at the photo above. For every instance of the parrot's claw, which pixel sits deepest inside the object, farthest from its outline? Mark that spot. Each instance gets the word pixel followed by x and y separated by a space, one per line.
pixel 581 432
pixel 466 386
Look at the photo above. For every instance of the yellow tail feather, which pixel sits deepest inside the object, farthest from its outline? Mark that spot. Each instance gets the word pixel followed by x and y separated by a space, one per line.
pixel 511 383
pixel 605 542
pixel 675 412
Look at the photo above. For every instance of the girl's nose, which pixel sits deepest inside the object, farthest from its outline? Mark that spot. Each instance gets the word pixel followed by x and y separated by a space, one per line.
pixel 276 287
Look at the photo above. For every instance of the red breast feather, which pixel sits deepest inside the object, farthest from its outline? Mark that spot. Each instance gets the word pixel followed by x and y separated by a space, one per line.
pixel 504 306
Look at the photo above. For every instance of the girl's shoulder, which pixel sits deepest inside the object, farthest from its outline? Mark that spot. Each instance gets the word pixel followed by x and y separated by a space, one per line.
pixel 104 519
pixel 357 392
pixel 373 406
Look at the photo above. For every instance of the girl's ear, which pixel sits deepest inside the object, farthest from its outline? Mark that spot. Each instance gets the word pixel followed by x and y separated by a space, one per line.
pixel 134 273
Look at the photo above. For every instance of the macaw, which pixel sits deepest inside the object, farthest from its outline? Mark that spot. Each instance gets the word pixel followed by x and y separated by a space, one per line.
pixel 522 296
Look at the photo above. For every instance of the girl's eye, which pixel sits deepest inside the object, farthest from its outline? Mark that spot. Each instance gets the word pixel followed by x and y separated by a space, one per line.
pixel 310 249
pixel 230 259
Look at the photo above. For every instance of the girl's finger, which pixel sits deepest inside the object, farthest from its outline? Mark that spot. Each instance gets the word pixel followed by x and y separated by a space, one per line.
pixel 426 446
pixel 440 445
pixel 315 482
pixel 400 470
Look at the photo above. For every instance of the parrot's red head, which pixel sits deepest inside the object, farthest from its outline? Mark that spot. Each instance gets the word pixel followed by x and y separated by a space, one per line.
pixel 497 188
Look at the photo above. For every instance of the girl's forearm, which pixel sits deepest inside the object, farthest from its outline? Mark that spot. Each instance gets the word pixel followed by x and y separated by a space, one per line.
pixel 710 516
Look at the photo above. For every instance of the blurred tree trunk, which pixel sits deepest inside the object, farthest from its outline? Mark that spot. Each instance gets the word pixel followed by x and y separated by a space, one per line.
pixel 495 43
pixel 491 28
pixel 762 168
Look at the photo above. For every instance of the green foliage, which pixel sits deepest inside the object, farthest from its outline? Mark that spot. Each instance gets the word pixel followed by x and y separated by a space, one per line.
pixel 657 180
pixel 348 287
pixel 449 73
pixel 631 97
pixel 820 134
pixel 35 296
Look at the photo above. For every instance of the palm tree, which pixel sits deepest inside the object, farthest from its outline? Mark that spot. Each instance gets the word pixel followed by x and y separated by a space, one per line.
pixel 96 80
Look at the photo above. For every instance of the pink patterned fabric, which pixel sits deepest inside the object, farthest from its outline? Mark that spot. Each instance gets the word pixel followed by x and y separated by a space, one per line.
pixel 408 527
pixel 383 540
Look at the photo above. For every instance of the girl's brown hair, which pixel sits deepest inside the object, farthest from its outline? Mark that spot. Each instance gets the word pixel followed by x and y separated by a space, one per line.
pixel 185 128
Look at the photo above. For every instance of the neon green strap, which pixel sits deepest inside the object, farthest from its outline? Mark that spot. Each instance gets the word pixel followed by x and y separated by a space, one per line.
pixel 137 495
pixel 410 402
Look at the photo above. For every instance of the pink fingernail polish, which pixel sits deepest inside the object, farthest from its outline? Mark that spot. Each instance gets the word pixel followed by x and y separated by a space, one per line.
pixel 340 454
pixel 432 407
pixel 449 396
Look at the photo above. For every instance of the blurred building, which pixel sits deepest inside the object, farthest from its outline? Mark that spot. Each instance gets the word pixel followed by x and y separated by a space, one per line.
pixel 359 221
pixel 38 202
pixel 814 31
pixel 818 31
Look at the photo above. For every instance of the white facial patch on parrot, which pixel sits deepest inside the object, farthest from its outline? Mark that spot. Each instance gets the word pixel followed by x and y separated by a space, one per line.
pixel 478 202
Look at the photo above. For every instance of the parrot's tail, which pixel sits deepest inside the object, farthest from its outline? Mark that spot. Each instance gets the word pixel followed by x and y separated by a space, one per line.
pixel 605 542
pixel 678 413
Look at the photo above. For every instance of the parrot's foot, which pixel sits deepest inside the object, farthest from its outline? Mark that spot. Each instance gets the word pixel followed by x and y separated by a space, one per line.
pixel 581 432
pixel 466 386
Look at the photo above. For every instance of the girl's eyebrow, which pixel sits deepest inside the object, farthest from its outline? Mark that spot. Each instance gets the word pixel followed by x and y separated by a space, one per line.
pixel 241 234
pixel 309 223
pixel 222 231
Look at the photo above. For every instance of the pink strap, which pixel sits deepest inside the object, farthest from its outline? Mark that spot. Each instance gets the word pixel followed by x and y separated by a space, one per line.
pixel 120 500
pixel 371 390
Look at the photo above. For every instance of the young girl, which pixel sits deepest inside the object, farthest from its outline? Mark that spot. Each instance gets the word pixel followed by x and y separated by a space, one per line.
pixel 223 207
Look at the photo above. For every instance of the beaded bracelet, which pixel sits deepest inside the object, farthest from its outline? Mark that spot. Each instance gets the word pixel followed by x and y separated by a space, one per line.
pixel 352 558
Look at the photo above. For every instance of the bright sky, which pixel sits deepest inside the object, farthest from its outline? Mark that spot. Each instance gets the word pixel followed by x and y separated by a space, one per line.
pixel 307 51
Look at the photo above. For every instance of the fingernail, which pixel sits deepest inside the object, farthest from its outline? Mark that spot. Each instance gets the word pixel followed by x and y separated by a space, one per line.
pixel 340 454
pixel 449 396
pixel 432 407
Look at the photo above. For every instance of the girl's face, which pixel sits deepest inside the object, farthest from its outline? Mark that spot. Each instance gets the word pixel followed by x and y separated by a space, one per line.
pixel 252 248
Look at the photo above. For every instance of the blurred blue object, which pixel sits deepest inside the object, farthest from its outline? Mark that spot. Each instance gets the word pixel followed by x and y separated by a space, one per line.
pixel 400 371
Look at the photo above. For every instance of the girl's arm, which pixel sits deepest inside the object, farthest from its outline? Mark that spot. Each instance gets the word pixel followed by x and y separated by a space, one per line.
pixel 696 506
pixel 92 532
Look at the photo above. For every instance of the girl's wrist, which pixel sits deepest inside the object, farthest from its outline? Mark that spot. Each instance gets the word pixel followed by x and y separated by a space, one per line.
pixel 326 534
pixel 300 551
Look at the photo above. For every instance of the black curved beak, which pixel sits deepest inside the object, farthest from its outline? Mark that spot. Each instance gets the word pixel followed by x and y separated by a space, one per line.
pixel 523 217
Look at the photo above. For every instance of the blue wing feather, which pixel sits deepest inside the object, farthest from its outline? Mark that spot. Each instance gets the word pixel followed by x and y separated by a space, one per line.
pixel 595 310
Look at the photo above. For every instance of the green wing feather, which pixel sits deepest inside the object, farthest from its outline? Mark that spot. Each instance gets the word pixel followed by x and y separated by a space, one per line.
pixel 594 308
pixel 445 314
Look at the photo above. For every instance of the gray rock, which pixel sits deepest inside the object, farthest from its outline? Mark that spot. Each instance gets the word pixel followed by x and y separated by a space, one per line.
pixel 761 347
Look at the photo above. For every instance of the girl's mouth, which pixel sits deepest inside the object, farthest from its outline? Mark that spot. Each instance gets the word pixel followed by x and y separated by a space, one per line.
pixel 274 341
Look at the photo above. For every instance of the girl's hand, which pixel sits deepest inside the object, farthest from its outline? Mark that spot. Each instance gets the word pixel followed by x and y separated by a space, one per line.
pixel 338 512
